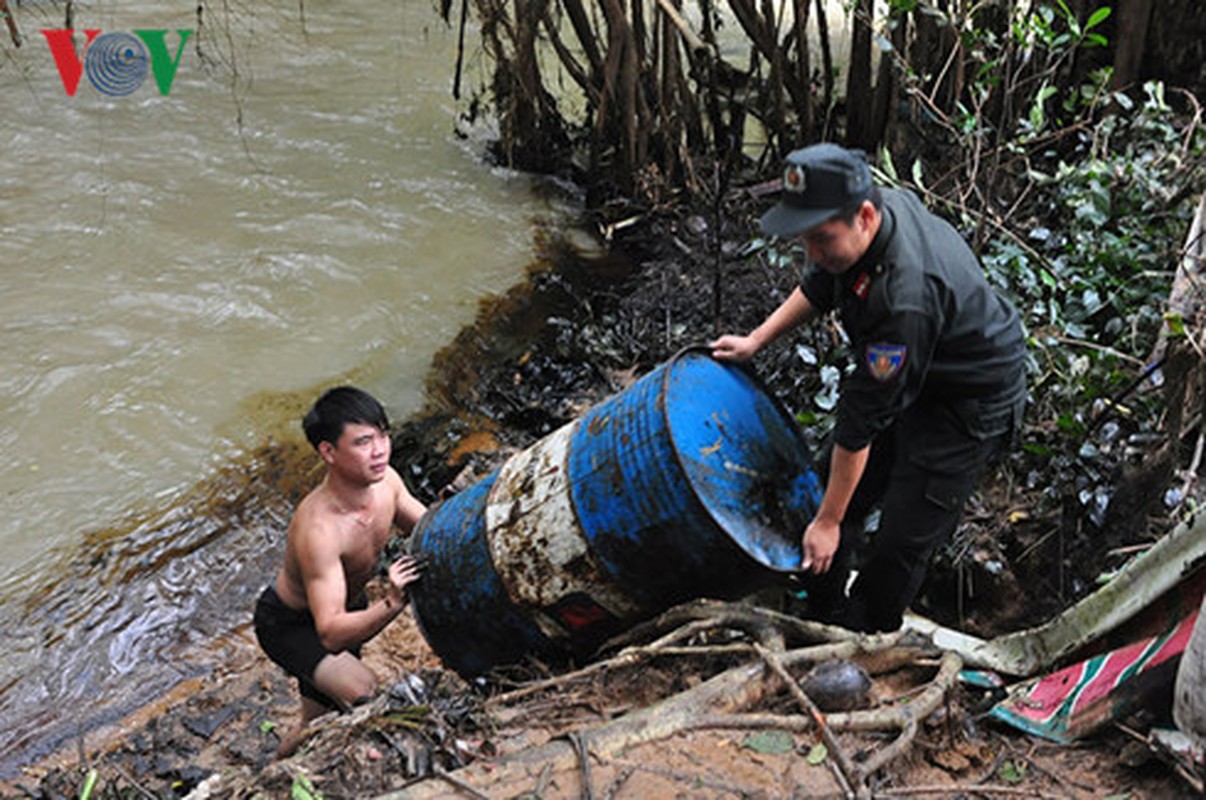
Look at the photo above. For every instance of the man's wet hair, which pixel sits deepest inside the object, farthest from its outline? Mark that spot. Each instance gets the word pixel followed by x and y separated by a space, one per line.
pixel 337 408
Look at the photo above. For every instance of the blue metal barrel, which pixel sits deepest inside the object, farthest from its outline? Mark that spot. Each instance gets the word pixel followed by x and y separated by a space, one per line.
pixel 461 605
pixel 692 482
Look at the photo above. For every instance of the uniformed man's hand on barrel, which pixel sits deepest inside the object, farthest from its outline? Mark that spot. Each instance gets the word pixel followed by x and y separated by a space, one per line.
pixel 731 347
pixel 820 543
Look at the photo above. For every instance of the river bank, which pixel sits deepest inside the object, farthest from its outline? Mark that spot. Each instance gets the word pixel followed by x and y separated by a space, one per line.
pixel 590 319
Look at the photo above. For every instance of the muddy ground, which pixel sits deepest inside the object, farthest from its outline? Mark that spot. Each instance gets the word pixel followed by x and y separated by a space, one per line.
pixel 588 322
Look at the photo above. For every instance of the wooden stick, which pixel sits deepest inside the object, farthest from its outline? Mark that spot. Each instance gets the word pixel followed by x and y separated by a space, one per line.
pixel 955 789
pixel 692 40
pixel 468 789
pixel 142 790
pixel 11 22
pixel 848 771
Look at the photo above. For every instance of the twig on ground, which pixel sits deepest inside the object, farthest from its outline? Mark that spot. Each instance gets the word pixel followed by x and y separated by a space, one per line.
pixel 579 739
pixel 138 787
pixel 542 783
pixel 11 22
pixel 627 657
pixel 689 619
pixel 956 789
pixel 472 791
pixel 849 771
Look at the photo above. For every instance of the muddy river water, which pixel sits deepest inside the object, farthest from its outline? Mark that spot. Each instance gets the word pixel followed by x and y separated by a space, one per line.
pixel 181 274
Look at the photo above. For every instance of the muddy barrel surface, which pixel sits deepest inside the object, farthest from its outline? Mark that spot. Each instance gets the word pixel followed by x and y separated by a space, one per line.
pixel 693 482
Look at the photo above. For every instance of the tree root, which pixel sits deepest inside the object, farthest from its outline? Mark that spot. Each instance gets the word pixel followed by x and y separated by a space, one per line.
pixel 762 624
pixel 720 701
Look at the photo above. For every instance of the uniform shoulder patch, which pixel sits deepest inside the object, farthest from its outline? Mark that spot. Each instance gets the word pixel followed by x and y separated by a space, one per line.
pixel 884 360
pixel 862 286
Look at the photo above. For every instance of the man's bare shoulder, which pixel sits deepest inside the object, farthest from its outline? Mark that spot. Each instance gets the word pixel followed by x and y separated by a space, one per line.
pixel 315 515
pixel 407 508
pixel 394 480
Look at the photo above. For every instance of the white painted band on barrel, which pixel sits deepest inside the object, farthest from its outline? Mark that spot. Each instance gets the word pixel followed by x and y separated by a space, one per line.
pixel 539 549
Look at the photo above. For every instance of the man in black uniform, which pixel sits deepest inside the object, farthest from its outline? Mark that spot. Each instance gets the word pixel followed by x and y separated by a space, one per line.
pixel 937 387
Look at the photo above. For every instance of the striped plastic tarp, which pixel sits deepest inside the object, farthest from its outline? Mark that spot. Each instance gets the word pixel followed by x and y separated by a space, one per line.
pixel 1071 703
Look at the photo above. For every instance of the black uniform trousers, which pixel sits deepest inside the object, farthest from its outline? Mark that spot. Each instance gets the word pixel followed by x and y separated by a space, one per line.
pixel 920 473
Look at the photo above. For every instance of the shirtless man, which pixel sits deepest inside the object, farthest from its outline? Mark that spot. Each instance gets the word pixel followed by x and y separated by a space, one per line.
pixel 313 619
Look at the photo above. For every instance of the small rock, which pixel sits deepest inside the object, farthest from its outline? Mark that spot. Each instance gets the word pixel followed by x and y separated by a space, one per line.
pixel 695 225
pixel 1134 754
pixel 951 761
pixel 838 685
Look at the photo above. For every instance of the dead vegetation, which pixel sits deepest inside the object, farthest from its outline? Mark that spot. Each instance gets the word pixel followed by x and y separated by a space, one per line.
pixel 708 700
pixel 701 666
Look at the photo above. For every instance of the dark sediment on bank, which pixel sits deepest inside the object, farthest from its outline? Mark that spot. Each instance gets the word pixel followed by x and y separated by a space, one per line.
pixel 582 327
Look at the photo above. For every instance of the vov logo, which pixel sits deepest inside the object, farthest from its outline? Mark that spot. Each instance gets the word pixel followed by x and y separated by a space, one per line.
pixel 116 62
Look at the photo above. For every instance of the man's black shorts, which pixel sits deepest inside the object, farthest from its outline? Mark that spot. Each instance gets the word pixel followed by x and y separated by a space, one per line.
pixel 290 639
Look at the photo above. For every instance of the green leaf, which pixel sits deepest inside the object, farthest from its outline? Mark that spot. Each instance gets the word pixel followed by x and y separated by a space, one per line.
pixel 917 178
pixel 1097 17
pixel 770 742
pixel 818 754
pixel 267 726
pixel 753 246
pixel 303 789
pixel 889 167
pixel 89 785
pixel 1012 771
pixel 1069 424
pixel 1037 118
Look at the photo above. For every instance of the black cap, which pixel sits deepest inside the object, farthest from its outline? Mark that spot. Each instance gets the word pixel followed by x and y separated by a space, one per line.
pixel 819 182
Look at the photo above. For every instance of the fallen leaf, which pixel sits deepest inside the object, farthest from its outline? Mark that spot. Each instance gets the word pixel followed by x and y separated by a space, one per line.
pixel 769 742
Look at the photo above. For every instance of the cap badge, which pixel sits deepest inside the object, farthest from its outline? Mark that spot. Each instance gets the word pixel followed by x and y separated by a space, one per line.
pixel 794 179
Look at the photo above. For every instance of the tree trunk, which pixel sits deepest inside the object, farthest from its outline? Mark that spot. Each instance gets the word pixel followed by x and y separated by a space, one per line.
pixel 1131 38
pixel 1175 45
pixel 858 80
pixel 804 111
pixel 885 84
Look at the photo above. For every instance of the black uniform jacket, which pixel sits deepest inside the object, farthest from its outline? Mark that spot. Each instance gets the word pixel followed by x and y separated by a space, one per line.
pixel 930 336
